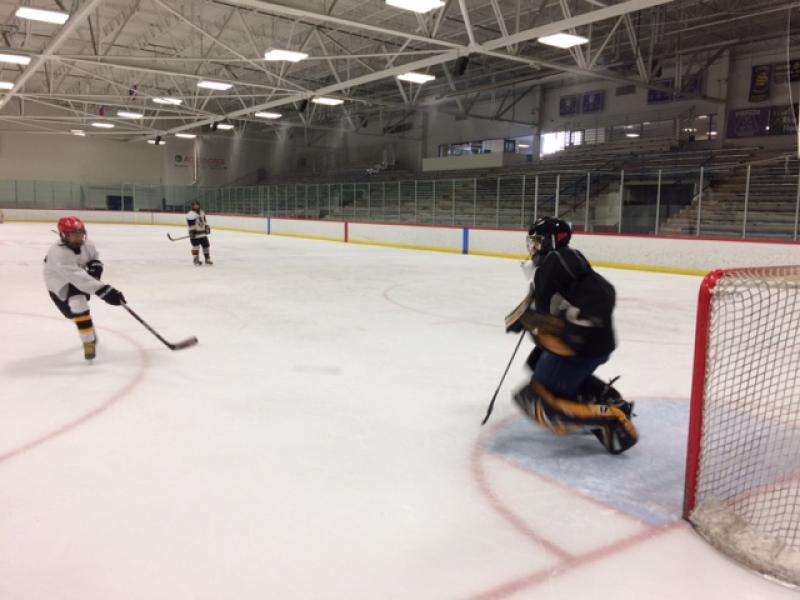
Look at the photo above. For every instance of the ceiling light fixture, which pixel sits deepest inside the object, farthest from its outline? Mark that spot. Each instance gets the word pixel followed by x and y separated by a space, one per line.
pixel 78 132
pixel 225 126
pixel 287 55
pixel 186 136
pixel 327 101
pixel 168 100
pixel 6 85
pixel 417 6
pixel 15 59
pixel 632 135
pixel 267 115
pixel 563 40
pixel 103 125
pixel 416 77
pixel 37 14
pixel 126 114
pixel 214 85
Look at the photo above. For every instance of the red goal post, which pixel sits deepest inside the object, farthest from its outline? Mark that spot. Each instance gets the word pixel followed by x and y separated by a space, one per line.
pixel 743 459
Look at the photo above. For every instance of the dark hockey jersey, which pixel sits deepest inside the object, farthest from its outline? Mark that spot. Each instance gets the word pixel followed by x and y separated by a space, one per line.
pixel 566 285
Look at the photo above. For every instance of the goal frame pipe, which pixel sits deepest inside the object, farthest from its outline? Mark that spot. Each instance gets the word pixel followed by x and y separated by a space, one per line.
pixel 698 388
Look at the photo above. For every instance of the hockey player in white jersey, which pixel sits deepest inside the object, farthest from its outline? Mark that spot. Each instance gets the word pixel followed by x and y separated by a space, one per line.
pixel 72 271
pixel 198 233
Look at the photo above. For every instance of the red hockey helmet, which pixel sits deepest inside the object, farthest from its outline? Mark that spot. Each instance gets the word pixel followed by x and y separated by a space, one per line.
pixel 70 225
pixel 67 227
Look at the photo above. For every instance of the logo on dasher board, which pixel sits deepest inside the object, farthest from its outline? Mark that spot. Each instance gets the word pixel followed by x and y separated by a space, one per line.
pixel 187 160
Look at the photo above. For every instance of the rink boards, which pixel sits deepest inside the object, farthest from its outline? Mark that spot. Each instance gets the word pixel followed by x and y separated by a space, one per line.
pixel 693 256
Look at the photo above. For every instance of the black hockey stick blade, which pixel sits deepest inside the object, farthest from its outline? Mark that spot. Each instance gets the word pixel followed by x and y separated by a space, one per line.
pixel 187 343
pixel 175 239
pixel 502 379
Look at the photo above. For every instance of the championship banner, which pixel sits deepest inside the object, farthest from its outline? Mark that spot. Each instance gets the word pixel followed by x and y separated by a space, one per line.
pixel 567 106
pixel 594 102
pixel 750 122
pixel 785 73
pixel 657 96
pixel 759 83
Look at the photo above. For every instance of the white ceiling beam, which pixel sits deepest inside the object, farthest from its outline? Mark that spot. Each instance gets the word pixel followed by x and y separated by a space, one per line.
pixel 75 21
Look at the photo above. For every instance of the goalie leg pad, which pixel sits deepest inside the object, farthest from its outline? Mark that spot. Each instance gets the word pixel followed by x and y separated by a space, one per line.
pixel 609 424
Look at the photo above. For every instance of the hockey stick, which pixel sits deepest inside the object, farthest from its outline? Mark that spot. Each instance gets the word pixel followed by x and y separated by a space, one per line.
pixel 502 379
pixel 179 346
pixel 172 239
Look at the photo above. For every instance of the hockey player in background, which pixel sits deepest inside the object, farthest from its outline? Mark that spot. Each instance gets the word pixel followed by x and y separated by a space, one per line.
pixel 198 233
pixel 569 312
pixel 72 271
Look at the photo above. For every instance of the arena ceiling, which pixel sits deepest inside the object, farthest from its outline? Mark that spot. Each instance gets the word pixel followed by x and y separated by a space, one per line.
pixel 121 55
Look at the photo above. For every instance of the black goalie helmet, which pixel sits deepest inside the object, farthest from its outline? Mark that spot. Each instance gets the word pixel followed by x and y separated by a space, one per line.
pixel 547 234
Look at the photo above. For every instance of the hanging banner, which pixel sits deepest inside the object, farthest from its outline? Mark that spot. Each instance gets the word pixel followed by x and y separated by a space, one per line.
pixel 784 73
pixel 568 106
pixel 750 122
pixel 658 96
pixel 594 102
pixel 782 120
pixel 759 83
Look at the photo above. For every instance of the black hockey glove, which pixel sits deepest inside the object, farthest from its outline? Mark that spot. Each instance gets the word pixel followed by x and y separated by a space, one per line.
pixel 94 268
pixel 111 295
pixel 208 229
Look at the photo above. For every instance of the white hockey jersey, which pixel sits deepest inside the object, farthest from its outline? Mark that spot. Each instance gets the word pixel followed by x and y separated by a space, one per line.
pixel 62 267
pixel 197 223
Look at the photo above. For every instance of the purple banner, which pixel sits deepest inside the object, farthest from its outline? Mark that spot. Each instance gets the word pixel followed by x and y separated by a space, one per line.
pixel 759 83
pixel 657 96
pixel 567 106
pixel 750 122
pixel 594 102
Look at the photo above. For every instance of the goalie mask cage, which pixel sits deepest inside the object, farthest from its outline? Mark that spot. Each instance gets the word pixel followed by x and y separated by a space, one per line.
pixel 743 461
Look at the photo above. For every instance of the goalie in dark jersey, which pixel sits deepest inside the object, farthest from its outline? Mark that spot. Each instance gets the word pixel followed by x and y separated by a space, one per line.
pixel 569 314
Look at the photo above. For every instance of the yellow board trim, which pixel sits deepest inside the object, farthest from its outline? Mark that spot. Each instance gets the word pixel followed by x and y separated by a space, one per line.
pixel 307 237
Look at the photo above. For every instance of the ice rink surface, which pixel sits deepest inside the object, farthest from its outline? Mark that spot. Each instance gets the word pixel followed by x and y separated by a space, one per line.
pixel 323 440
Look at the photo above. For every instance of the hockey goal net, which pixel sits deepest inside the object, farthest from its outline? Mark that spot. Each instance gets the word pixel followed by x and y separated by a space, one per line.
pixel 743 462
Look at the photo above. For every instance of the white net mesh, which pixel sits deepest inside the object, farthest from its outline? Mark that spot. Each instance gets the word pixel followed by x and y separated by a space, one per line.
pixel 748 478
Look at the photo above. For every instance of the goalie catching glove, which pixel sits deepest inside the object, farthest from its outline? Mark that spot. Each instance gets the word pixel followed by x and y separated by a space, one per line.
pixel 548 331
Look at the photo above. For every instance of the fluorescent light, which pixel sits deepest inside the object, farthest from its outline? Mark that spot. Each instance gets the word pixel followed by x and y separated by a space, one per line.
pixel 327 101
pixel 268 115
pixel 37 14
pixel 214 85
pixel 563 40
pixel 712 133
pixel 416 77
pixel 156 142
pixel 103 125
pixel 632 135
pixel 523 145
pixel 6 85
pixel 286 55
pixel 225 126
pixel 186 136
pixel 703 117
pixel 126 114
pixel 15 59
pixel 418 6
pixel 166 100
pixel 79 132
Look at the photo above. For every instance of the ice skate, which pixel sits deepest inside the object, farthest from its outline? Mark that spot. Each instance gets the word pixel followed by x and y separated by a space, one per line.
pixel 89 350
